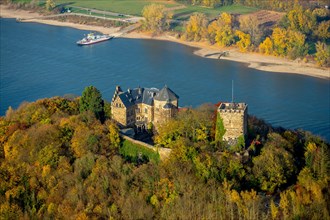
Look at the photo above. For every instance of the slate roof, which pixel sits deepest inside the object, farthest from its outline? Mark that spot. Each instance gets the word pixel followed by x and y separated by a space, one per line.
pixel 147 96
pixel 166 94
pixel 138 95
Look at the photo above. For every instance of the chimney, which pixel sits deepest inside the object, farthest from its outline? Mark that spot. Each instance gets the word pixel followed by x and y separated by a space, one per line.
pixel 118 89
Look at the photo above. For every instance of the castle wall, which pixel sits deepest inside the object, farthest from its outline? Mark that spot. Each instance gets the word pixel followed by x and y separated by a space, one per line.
pixel 162 115
pixel 130 116
pixel 118 112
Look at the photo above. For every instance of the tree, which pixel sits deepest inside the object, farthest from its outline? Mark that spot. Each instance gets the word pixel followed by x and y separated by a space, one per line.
pixel 244 41
pixel 274 166
pixel 296 46
pixel 279 38
pixel 300 20
pixel 157 19
pixel 250 25
pixel 323 31
pixel 50 4
pixel 322 55
pixel 196 27
pixel 220 31
pixel 91 100
pixel 114 135
pixel 266 47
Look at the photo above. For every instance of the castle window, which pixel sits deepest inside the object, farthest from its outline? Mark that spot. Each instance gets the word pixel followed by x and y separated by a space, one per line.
pixel 138 118
pixel 117 105
pixel 138 110
pixel 145 110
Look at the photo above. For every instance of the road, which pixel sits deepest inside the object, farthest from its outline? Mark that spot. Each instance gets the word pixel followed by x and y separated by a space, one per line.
pixel 122 17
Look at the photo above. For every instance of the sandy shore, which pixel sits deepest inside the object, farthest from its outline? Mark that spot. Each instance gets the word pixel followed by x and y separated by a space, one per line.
pixel 253 60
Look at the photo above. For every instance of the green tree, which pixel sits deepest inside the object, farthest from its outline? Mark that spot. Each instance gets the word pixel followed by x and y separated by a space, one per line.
pixel 156 18
pixel 220 129
pixel 91 100
pixel 274 166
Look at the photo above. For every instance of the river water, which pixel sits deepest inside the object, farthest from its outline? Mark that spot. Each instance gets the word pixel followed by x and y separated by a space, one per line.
pixel 40 61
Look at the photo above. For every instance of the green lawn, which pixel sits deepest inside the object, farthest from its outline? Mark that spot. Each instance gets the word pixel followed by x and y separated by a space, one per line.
pixel 134 7
pixel 131 7
pixel 131 152
pixel 183 14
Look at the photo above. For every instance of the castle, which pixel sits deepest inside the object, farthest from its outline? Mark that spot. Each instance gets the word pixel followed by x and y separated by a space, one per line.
pixel 234 119
pixel 140 107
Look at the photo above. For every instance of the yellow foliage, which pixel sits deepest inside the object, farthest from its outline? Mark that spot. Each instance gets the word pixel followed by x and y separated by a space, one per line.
pixel 235 197
pixel 322 55
pixel 156 18
pixel 280 41
pixel 226 19
pixel 45 171
pixel 15 147
pixel 273 209
pixel 244 41
pixel 196 27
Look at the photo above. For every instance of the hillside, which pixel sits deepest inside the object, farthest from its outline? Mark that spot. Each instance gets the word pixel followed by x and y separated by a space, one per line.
pixel 58 161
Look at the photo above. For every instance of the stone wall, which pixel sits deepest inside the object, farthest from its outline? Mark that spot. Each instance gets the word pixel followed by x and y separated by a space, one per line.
pixel 163 152
pixel 234 121
pixel 118 112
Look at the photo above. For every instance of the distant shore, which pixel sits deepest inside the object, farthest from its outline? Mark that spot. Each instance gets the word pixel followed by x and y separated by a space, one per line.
pixel 253 60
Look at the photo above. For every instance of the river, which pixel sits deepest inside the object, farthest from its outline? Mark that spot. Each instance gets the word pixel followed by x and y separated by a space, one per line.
pixel 40 61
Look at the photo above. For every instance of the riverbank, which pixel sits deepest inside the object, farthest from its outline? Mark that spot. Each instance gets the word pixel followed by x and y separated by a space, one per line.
pixel 253 60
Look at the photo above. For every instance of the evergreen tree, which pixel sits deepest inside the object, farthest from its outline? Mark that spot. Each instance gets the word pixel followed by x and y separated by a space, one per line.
pixel 91 100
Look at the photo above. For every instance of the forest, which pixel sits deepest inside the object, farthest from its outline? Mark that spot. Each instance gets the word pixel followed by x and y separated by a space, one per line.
pixel 299 33
pixel 63 158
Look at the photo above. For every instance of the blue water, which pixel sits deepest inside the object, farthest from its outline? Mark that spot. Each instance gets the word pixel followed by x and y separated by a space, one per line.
pixel 40 61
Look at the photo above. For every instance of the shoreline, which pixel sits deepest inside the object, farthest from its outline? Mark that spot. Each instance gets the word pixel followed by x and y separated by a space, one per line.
pixel 203 49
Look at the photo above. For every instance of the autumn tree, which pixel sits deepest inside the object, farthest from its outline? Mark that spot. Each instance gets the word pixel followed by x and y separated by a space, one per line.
pixel 114 135
pixel 323 31
pixel 91 100
pixel 156 18
pixel 50 4
pixel 266 47
pixel 220 31
pixel 322 55
pixel 250 25
pixel 196 27
pixel 244 41
pixel 300 20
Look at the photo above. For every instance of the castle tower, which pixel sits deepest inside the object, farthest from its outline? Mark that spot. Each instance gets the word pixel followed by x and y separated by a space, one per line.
pixel 234 120
pixel 165 105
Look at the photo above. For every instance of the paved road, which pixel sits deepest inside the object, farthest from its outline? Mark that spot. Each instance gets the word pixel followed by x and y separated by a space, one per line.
pixel 122 17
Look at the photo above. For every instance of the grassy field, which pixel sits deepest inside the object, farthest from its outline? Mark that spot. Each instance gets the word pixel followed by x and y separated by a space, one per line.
pixel 131 7
pixel 131 151
pixel 134 7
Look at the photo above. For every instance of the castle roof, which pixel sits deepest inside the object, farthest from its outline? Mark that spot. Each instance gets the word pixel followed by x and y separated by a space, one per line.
pixel 138 95
pixel 166 94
